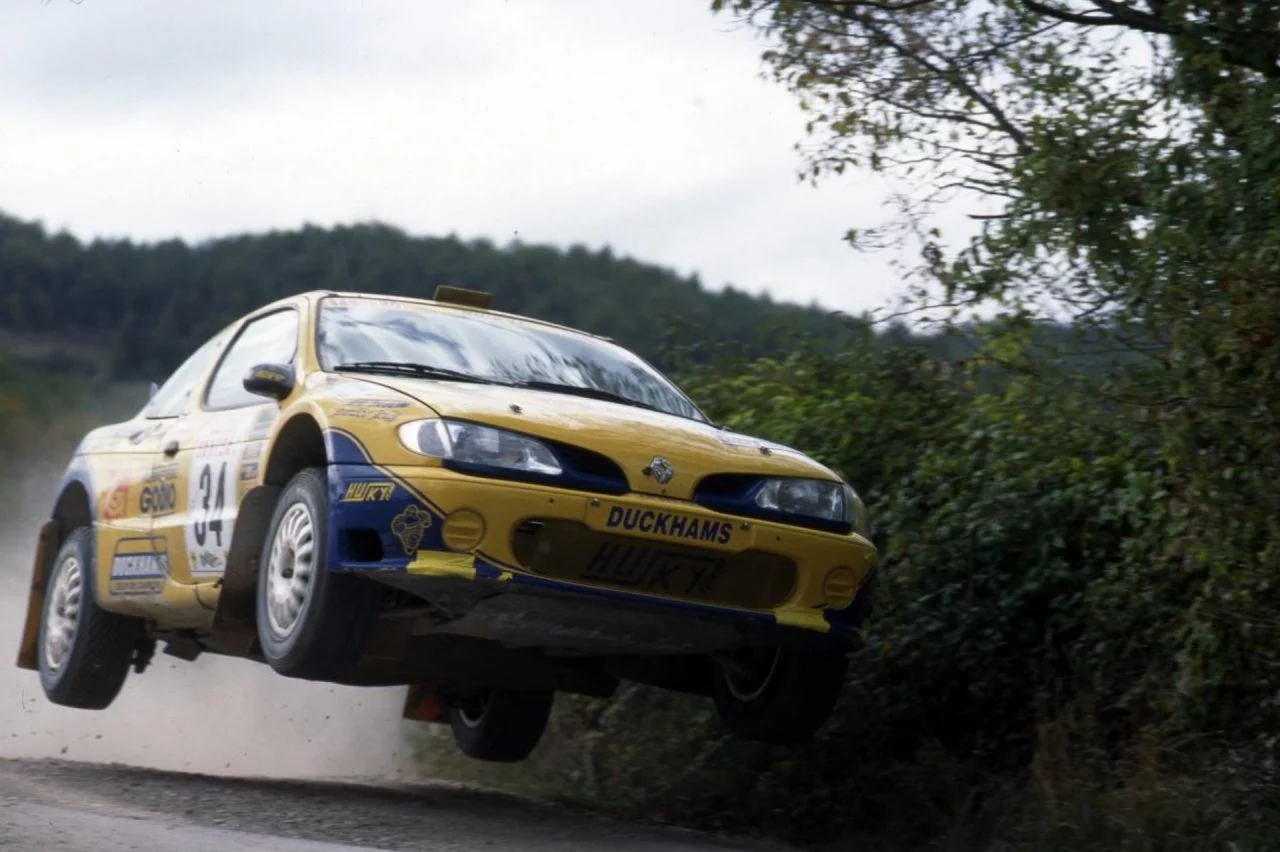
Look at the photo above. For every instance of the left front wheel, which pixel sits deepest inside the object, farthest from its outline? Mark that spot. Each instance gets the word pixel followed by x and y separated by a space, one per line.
pixel 499 725
pixel 84 651
pixel 312 622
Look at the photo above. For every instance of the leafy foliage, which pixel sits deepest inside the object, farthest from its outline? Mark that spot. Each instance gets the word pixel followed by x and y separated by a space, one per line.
pixel 1122 161
pixel 1027 650
pixel 27 405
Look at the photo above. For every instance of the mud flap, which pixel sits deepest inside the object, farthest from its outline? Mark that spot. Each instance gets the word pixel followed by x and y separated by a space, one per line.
pixel 423 704
pixel 46 547
pixel 236 611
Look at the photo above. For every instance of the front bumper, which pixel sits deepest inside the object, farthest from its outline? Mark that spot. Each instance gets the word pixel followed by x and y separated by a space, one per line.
pixel 428 522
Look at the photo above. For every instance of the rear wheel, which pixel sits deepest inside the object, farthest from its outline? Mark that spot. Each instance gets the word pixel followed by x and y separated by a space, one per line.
pixel 779 696
pixel 500 725
pixel 312 622
pixel 84 651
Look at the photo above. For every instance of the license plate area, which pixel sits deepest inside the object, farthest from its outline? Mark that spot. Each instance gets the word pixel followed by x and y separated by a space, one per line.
pixel 669 527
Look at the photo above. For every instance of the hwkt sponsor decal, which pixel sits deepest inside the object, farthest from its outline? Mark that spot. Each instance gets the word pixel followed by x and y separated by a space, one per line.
pixel 645 569
pixel 379 491
pixel 670 524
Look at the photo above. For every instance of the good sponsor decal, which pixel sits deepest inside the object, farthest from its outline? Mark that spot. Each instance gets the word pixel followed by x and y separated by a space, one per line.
pixel 158 495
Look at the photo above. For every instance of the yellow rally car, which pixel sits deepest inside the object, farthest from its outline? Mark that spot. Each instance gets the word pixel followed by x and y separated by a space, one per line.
pixel 373 491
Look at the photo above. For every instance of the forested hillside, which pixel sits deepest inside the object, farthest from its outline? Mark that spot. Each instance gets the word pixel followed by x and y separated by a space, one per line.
pixel 150 304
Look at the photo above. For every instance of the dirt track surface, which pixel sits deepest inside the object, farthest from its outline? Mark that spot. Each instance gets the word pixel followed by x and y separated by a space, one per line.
pixel 56 806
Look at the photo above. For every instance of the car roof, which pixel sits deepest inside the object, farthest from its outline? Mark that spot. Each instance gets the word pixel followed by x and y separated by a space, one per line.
pixel 317 295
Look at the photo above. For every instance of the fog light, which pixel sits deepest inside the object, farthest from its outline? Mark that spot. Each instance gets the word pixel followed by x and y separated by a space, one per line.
pixel 839 587
pixel 463 530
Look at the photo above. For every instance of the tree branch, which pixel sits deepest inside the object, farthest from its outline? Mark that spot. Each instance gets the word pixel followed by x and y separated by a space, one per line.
pixel 951 74
pixel 879 5
pixel 1069 17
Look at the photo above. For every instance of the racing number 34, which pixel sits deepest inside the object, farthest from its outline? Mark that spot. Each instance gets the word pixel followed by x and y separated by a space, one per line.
pixel 212 502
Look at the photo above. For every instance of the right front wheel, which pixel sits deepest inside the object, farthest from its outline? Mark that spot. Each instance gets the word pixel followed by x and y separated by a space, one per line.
pixel 312 622
pixel 778 696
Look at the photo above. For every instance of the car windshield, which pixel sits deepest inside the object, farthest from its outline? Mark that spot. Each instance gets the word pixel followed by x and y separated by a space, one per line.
pixel 381 333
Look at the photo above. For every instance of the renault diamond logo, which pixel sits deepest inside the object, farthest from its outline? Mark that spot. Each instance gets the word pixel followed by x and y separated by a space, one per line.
pixel 660 469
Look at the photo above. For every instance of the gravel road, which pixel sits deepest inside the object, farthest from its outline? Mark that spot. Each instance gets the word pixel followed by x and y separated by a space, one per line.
pixel 60 806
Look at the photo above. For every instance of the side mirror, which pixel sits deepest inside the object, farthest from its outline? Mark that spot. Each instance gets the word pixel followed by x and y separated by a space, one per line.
pixel 151 394
pixel 275 381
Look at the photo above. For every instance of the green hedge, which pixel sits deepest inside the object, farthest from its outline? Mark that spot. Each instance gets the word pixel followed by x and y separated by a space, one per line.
pixel 1029 640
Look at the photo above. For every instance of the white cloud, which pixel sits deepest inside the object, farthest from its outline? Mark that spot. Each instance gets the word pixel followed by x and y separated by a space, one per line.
pixel 562 121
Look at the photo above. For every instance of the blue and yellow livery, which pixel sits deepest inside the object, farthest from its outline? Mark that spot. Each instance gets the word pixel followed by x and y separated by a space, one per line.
pixel 490 509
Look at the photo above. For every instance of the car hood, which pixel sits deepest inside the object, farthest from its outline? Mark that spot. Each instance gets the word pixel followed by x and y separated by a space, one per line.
pixel 631 436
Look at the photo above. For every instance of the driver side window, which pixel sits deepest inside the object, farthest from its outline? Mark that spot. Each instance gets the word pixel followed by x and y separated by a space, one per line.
pixel 266 339
pixel 172 397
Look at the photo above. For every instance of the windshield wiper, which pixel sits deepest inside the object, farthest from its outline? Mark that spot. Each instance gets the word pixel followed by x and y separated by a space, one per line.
pixel 408 368
pixel 579 390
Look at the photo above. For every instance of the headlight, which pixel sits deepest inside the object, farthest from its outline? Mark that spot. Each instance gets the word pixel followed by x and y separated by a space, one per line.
pixel 471 443
pixel 812 498
pixel 859 514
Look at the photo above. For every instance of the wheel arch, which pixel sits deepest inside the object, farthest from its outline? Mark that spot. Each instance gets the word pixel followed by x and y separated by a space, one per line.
pixel 298 444
pixel 72 509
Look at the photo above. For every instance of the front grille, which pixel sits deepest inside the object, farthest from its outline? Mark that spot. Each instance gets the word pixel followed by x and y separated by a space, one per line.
pixel 566 550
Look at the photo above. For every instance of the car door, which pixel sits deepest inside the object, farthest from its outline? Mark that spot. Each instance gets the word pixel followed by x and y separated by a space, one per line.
pixel 130 489
pixel 129 562
pixel 221 437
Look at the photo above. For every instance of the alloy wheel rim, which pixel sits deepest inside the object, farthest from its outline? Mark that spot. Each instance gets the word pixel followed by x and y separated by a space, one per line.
pixel 291 570
pixel 473 711
pixel 751 673
pixel 62 616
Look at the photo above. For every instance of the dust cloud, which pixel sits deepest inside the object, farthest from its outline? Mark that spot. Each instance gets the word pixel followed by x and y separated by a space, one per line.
pixel 214 715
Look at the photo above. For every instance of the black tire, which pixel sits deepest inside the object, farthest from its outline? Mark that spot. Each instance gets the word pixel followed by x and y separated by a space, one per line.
pixel 93 668
pixel 327 634
pixel 501 726
pixel 784 698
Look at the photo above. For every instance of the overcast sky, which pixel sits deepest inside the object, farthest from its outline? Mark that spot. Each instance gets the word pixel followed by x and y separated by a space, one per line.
pixel 641 125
